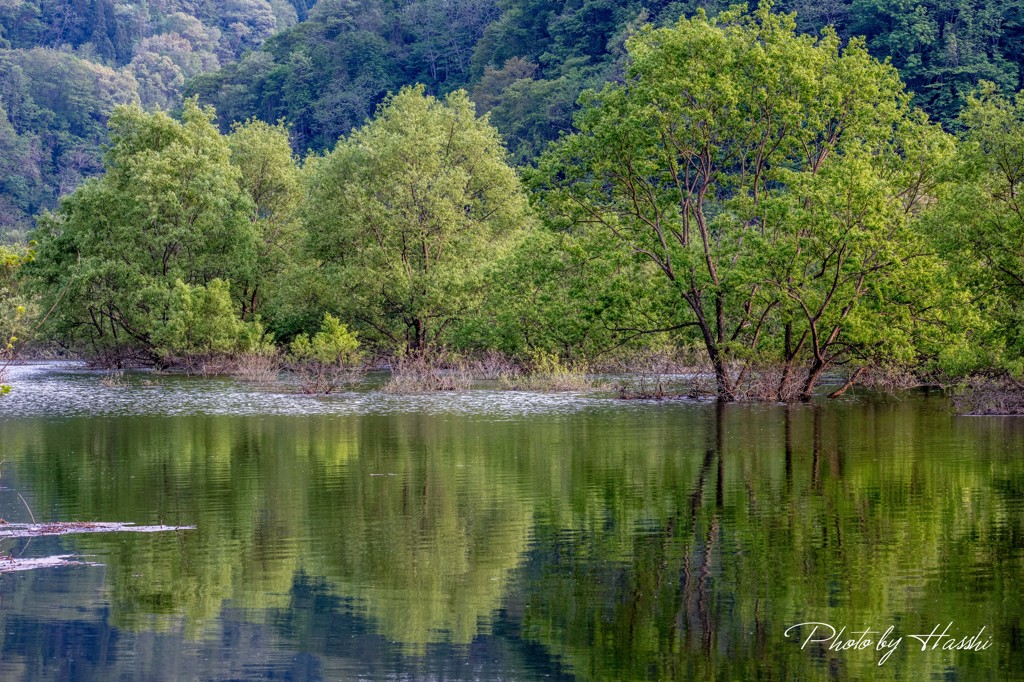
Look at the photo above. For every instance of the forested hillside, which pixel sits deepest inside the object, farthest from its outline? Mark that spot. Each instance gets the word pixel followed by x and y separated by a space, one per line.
pixel 324 67
pixel 64 64
pixel 527 61
pixel 783 195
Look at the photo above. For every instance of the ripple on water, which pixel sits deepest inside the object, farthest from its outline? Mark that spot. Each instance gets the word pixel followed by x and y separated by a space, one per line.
pixel 65 388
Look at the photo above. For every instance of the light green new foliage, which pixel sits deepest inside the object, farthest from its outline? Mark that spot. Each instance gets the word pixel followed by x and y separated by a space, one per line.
pixel 270 178
pixel 575 295
pixel 203 320
pixel 983 220
pixel 855 271
pixel 13 307
pixel 406 211
pixel 333 344
pixel 169 208
pixel 757 170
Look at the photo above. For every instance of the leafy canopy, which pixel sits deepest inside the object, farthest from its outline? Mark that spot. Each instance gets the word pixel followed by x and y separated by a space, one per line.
pixel 406 211
pixel 772 179
pixel 169 209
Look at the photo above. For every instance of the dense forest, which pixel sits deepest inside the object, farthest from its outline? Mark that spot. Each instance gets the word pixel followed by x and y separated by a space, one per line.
pixel 65 64
pixel 323 67
pixel 778 196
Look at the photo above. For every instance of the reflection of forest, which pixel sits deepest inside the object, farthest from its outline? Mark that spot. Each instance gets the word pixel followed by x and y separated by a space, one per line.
pixel 399 516
pixel 672 542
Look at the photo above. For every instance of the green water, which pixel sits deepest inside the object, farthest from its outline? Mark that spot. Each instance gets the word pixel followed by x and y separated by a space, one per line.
pixel 492 535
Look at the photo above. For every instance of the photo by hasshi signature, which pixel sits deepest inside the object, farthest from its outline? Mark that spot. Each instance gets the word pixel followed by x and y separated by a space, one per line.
pixel 885 641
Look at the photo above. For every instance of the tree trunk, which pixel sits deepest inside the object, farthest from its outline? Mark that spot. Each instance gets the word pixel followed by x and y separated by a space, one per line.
pixel 849 383
pixel 417 339
pixel 813 376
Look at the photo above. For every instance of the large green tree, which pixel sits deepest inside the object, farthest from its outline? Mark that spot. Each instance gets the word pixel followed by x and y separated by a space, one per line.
pixel 983 219
pixel 168 212
pixel 773 180
pixel 405 212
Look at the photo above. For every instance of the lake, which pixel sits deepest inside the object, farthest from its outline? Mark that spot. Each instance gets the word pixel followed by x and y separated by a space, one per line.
pixel 505 535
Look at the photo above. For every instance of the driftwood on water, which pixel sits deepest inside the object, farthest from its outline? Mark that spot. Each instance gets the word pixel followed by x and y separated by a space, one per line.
pixel 9 564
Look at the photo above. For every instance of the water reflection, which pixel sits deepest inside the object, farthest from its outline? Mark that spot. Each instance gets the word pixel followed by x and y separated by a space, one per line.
pixel 611 541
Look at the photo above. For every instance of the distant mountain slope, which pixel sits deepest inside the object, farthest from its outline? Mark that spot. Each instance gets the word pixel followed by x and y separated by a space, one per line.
pixel 65 64
pixel 526 61
pixel 327 74
pixel 324 66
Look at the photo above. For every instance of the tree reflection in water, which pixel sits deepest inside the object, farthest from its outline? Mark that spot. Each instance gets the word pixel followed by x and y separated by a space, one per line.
pixel 620 542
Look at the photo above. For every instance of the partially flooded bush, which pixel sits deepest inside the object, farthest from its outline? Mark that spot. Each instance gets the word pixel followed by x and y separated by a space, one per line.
pixel 769 383
pixel 656 374
pixel 257 368
pixel 427 373
pixel 202 365
pixel 642 387
pixel 987 395
pixel 887 380
pixel 653 361
pixel 327 360
pixel 548 372
pixel 493 365
pixel 114 380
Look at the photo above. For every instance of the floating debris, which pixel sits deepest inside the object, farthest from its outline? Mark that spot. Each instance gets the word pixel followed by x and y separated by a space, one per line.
pixel 9 564
pixel 34 530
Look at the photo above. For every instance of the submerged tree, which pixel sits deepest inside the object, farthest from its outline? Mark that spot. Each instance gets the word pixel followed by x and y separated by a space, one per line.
pixel 404 214
pixel 772 179
pixel 168 210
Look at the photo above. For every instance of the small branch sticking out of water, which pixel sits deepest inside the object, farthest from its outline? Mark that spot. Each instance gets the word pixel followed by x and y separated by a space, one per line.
pixel 31 515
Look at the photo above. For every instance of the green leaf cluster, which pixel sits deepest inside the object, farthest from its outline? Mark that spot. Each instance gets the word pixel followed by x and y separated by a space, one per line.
pixel 202 320
pixel 13 306
pixel 981 225
pixel 333 344
pixel 169 209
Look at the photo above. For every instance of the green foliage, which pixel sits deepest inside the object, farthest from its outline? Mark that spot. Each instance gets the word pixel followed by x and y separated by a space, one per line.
pixel 326 75
pixel 548 372
pixel 983 224
pixel 328 359
pixel 761 172
pixel 202 320
pixel 269 177
pixel 333 344
pixel 13 307
pixel 574 295
pixel 405 213
pixel 110 32
pixel 169 208
pixel 943 49
pixel 530 112
pixel 857 266
pixel 53 107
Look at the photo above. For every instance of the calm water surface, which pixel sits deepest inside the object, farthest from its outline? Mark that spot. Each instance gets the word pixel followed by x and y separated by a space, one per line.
pixel 516 536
